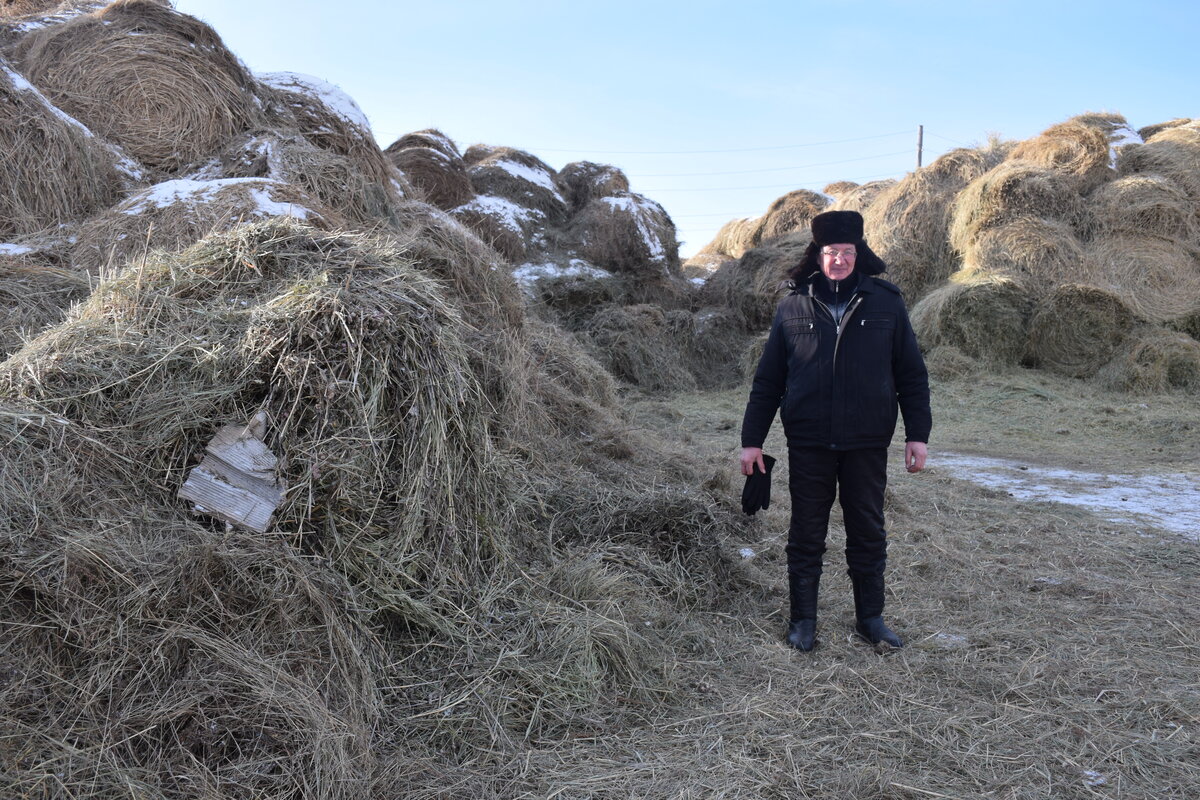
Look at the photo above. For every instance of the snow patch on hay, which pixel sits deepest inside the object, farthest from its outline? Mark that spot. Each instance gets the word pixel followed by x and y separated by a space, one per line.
pixel 193 192
pixel 512 216
pixel 530 174
pixel 329 95
pixel 639 208
pixel 528 274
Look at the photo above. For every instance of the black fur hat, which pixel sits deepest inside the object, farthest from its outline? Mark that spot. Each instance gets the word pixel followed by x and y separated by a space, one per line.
pixel 837 227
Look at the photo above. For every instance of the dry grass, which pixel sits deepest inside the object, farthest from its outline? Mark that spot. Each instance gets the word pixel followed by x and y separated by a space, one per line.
pixel 838 189
pixel 1076 329
pixel 1150 130
pixel 1032 251
pixel 790 213
pixel 751 286
pixel 584 181
pixel 734 238
pixel 441 179
pixel 627 233
pixel 1157 361
pixel 63 172
pixel 35 296
pixel 984 318
pixel 1144 205
pixel 1173 153
pixel 1074 148
pixel 517 176
pixel 1159 278
pixel 1009 191
pixel 860 199
pixel 159 83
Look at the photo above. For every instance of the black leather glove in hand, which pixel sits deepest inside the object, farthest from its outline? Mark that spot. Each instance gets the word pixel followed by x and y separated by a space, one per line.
pixel 756 493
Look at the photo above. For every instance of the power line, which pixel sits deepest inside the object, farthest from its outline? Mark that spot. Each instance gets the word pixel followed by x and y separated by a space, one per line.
pixel 701 152
pixel 767 169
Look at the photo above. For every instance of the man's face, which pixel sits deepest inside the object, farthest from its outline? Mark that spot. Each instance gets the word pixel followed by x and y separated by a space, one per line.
pixel 837 261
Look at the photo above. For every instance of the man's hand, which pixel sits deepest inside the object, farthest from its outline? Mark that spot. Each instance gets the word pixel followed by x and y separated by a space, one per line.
pixel 914 456
pixel 750 457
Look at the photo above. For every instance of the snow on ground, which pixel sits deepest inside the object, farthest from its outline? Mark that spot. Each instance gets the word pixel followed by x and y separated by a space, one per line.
pixel 331 96
pixel 1170 501
pixel 194 192
pixel 10 249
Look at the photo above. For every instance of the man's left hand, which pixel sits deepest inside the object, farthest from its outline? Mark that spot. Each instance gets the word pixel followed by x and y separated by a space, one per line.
pixel 914 456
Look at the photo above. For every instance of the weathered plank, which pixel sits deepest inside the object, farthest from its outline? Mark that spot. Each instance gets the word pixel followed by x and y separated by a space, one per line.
pixel 237 480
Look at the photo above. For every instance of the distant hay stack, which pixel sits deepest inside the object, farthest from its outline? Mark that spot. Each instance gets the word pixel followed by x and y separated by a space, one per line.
pixel 1031 251
pixel 430 161
pixel 1074 149
pixel 1156 361
pixel 1009 191
pixel 175 214
pixel 34 296
pixel 158 83
pixel 907 224
pixel 1141 205
pixel 644 345
pixel 1160 279
pixel 520 178
pixel 330 119
pixel 734 238
pixel 861 198
pixel 790 213
pixel 431 138
pixel 584 181
pixel 1075 330
pixel 839 189
pixel 984 319
pixel 53 169
pixel 627 233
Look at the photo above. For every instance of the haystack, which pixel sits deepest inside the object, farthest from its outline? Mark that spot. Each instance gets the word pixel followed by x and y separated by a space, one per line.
pixel 789 213
pixel 432 164
pixel 839 188
pixel 734 238
pixel 1141 205
pixel 1158 127
pixel 1173 153
pixel 1156 361
pixel 1076 329
pixel 506 226
pixel 1032 251
pixel 984 319
pixel 644 345
pixel 1009 191
pixel 520 178
pixel 34 296
pixel 54 170
pixel 751 286
pixel 1159 278
pixel 627 233
pixel 1074 149
pixel 861 198
pixel 158 83
pixel 907 224
pixel 583 181
pixel 175 214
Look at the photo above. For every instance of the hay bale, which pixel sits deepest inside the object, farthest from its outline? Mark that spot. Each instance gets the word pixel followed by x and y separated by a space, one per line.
pixel 644 345
pixel 982 319
pixel 1142 205
pixel 507 227
pixel 1011 190
pixel 1033 252
pixel 1075 330
pixel 700 267
pixel 1156 361
pixel 34 296
pixel 907 223
pixel 54 170
pixel 1158 127
pixel 584 181
pixel 159 83
pixel 734 238
pixel 175 214
pixel 1173 153
pixel 1159 278
pixel 789 213
pixel 1076 150
pixel 520 178
pixel 441 179
pixel 860 199
pixel 627 233
pixel 751 286
pixel 431 138
pixel 839 189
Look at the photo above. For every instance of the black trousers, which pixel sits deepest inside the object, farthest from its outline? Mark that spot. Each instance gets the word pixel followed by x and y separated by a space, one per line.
pixel 858 478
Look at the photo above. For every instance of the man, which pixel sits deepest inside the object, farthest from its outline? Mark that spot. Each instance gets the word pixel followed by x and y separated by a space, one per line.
pixel 840 360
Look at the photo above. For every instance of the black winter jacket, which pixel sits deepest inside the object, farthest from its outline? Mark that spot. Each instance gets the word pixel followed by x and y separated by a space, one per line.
pixel 840 390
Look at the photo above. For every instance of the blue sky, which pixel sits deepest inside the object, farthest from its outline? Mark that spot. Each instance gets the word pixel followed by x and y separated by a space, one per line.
pixel 792 94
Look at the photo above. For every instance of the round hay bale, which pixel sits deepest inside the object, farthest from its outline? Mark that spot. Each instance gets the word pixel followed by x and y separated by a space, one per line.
pixel 643 345
pixel 441 179
pixel 478 152
pixel 1159 278
pixel 982 319
pixel 519 177
pixel 1188 323
pixel 1076 329
pixel 502 224
pixel 1156 361
pixel 1031 251
pixel 1173 153
pixel 751 286
pixel 839 188
pixel 1074 149
pixel 175 214
pixel 159 83
pixel 860 199
pixel 734 238
pixel 54 170
pixel 627 233
pixel 1141 205
pixel 33 297
pixel 700 267
pixel 789 213
pixel 584 181
pixel 431 138
pixel 1158 127
pixel 1009 191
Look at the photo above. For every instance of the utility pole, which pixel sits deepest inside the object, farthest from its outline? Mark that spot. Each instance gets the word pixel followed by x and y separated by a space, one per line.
pixel 920 143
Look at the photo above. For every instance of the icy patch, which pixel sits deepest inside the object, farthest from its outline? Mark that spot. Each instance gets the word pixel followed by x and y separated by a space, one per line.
pixel 746 552
pixel 506 212
pixel 1170 502
pixel 1093 778
pixel 194 192
pixel 949 641
pixel 1120 137
pixel 530 174
pixel 331 96
pixel 529 274
pixel 698 281
pixel 10 249
pixel 639 208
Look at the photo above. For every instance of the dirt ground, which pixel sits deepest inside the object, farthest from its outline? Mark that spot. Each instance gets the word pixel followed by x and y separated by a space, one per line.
pixel 1051 653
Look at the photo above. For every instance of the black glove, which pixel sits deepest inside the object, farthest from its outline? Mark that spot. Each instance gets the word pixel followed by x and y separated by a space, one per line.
pixel 756 493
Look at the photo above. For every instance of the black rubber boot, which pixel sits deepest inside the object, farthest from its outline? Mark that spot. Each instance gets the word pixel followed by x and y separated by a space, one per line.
pixel 868 610
pixel 802 627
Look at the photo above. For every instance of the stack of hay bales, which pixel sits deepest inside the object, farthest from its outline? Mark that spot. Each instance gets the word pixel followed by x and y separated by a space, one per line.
pixel 433 165
pixel 627 233
pixel 751 286
pixel 787 214
pixel 861 197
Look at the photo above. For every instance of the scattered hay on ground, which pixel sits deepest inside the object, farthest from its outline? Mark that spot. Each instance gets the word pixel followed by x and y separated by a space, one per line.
pixel 982 318
pixel 1142 205
pixel 1075 330
pixel 1009 191
pixel 790 213
pixel 627 233
pixel 860 199
pixel 441 179
pixel 34 296
pixel 584 181
pixel 62 173
pixel 1159 278
pixel 159 83
pixel 1156 361
pixel 1032 251
pixel 175 214
pixel 516 176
